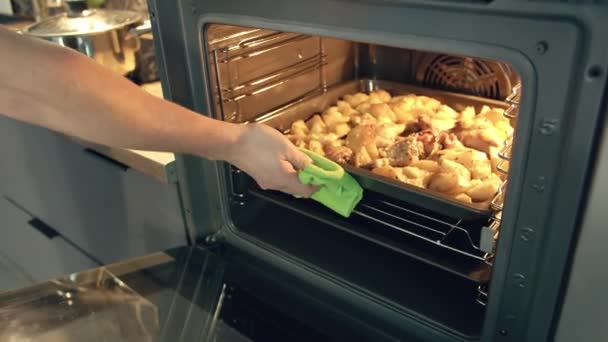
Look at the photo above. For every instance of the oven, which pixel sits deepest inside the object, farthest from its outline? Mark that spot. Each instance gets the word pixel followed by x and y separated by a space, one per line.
pixel 519 83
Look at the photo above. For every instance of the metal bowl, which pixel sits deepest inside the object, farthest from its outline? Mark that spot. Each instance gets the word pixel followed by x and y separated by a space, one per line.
pixel 110 37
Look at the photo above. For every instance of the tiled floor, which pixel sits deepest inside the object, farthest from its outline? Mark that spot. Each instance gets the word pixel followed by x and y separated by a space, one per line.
pixel 11 275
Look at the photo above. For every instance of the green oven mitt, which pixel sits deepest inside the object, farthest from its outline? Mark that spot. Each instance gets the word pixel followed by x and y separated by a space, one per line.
pixel 338 190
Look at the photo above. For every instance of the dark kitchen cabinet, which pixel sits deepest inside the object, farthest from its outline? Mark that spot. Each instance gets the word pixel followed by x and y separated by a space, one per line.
pixel 107 209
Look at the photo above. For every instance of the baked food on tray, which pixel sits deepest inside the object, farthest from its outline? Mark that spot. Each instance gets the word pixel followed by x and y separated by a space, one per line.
pixel 412 139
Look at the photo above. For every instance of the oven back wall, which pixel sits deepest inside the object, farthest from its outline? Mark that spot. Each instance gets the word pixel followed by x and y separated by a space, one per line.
pixel 556 48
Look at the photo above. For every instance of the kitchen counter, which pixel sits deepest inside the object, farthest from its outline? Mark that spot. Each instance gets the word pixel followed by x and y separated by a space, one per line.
pixel 159 165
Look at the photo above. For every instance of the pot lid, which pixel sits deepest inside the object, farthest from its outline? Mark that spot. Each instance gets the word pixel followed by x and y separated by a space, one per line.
pixel 85 22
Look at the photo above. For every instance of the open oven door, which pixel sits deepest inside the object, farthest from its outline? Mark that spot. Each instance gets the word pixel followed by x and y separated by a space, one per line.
pixel 184 294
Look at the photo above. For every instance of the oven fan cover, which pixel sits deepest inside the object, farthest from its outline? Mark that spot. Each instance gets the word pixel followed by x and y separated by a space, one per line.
pixel 474 76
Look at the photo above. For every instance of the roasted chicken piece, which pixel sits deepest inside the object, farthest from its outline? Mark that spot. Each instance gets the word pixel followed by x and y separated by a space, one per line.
pixel 429 141
pixel 405 151
pixel 339 154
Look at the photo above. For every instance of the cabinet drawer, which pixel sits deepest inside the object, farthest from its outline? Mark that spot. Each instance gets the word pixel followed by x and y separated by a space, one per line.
pixel 35 252
pixel 110 211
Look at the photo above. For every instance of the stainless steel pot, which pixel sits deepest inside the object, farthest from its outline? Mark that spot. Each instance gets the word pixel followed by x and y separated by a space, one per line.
pixel 109 37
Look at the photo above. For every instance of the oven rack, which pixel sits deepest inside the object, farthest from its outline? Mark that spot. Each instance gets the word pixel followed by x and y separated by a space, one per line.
pixel 256 46
pixel 482 294
pixel 484 288
pixel 446 243
pixel 498 201
pixel 513 100
pixel 439 231
pixel 510 113
pixel 272 80
pixel 299 72
pixel 505 153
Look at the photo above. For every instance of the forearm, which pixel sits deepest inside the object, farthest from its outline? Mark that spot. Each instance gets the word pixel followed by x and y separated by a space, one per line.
pixel 72 94
pixel 50 86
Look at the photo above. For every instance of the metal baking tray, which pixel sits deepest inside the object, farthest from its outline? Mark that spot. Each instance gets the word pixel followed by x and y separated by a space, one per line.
pixel 429 199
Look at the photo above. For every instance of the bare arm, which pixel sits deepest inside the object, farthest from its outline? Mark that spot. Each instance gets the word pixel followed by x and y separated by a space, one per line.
pixel 51 86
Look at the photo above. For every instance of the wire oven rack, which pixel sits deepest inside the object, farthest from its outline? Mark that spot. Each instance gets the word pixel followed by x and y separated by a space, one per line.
pixel 441 241
pixel 241 72
pixel 510 113
pixel 443 232
pixel 503 166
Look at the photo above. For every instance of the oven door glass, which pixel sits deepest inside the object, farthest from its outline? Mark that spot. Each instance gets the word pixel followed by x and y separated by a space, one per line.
pixel 185 294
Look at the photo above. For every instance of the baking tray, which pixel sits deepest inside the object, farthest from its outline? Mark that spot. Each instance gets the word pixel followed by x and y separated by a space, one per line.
pixel 429 199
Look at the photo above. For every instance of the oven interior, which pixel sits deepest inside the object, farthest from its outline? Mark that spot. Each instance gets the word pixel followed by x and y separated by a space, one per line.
pixel 428 262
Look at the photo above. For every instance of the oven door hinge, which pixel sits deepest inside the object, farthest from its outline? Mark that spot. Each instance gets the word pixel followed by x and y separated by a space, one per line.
pixel 210 239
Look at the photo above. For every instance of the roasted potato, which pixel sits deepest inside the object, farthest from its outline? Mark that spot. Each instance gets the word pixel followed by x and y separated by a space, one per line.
pixel 413 139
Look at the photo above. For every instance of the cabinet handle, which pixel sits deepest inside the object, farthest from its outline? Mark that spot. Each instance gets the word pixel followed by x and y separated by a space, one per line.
pixel 106 159
pixel 43 228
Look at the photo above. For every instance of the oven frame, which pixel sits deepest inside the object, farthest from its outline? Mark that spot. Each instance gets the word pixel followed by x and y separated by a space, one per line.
pixel 556 48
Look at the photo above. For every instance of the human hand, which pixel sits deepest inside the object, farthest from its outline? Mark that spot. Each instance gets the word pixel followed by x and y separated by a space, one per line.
pixel 271 159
